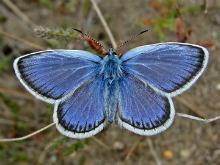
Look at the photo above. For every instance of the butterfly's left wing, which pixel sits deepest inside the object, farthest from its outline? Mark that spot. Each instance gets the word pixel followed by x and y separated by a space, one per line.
pixel 141 109
pixel 169 67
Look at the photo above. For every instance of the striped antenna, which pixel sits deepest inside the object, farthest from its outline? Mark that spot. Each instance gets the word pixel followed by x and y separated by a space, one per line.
pixel 83 33
pixel 131 39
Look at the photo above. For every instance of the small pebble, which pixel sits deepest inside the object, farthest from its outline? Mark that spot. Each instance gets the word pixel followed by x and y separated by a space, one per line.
pixel 118 146
pixel 218 87
pixel 185 153
pixel 168 155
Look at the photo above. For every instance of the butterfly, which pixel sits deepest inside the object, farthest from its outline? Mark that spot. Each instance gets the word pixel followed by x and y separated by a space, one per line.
pixel 135 90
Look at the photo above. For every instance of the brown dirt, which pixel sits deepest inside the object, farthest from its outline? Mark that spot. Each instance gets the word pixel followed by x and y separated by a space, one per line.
pixel 185 142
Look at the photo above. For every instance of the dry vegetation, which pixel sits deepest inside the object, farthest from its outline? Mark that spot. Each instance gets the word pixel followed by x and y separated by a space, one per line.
pixel 186 142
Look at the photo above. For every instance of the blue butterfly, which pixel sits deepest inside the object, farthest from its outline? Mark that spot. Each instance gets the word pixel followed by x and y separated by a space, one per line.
pixel 135 90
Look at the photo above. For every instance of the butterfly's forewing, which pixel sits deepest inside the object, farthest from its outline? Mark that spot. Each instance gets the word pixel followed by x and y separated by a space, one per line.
pixel 50 75
pixel 142 110
pixel 168 67
pixel 81 114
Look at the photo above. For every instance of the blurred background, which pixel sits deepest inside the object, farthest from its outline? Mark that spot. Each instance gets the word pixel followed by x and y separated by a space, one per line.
pixel 185 142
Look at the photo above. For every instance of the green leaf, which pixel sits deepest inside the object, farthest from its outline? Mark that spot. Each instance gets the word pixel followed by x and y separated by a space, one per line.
pixel 68 5
pixel 190 9
pixel 87 6
pixel 57 142
pixel 73 147
pixel 5 61
pixel 159 32
pixel 47 4
pixel 108 19
pixel 18 156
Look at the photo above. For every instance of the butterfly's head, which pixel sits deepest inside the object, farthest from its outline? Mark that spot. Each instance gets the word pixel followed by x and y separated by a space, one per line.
pixel 111 51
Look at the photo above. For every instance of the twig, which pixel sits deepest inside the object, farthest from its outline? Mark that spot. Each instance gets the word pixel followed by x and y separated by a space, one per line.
pixel 198 118
pixel 153 152
pixel 42 156
pixel 100 143
pixel 132 150
pixel 27 136
pixel 19 12
pixel 104 24
pixel 181 19
pixel 206 7
pixel 28 43
pixel 191 107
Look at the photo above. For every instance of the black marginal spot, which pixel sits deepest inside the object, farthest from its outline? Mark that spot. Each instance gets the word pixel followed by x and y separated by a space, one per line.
pixel 157 123
pixel 85 129
pixel 164 118
pixel 70 127
pixel 152 124
pixel 75 130
pixel 167 107
pixel 63 123
pixel 148 126
pixel 138 124
pixel 59 113
pixel 132 122
pixel 94 125
pixel 89 127
pixel 80 128
pixel 143 124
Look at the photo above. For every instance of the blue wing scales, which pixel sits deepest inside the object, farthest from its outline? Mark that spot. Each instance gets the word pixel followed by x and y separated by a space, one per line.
pixel 142 110
pixel 50 75
pixel 82 114
pixel 169 67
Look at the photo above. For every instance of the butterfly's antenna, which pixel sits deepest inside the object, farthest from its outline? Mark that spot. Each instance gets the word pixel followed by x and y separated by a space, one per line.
pixel 131 39
pixel 83 33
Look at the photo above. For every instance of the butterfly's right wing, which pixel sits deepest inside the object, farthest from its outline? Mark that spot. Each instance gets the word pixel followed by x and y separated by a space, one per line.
pixel 82 114
pixel 51 75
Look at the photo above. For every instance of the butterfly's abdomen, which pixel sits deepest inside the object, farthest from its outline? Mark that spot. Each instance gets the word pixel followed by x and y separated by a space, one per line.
pixel 111 73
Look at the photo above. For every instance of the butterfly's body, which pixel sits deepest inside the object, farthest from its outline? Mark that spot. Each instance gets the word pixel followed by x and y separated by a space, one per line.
pixel 135 89
pixel 111 73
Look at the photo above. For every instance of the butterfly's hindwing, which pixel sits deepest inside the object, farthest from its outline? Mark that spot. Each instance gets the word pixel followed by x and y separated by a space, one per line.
pixel 141 109
pixel 50 75
pixel 82 114
pixel 169 67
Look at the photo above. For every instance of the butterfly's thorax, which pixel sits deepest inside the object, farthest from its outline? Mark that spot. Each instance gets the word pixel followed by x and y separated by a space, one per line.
pixel 111 69
pixel 111 73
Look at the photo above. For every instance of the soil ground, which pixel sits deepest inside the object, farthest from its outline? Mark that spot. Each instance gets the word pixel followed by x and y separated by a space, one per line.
pixel 185 142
